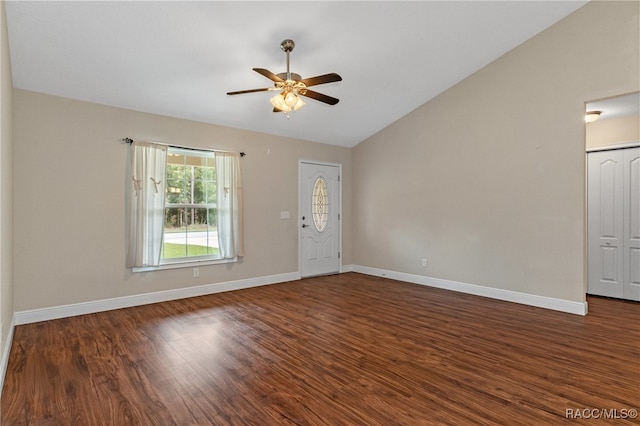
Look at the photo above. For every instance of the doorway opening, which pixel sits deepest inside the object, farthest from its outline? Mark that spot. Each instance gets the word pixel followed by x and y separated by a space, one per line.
pixel 613 197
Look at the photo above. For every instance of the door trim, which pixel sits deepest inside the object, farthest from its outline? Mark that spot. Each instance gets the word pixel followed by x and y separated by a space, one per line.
pixel 299 220
pixel 613 147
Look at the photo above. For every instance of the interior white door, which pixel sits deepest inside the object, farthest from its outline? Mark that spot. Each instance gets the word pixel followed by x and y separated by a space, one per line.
pixel 631 257
pixel 613 228
pixel 319 219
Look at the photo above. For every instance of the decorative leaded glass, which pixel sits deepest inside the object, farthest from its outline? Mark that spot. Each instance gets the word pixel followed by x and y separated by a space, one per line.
pixel 320 204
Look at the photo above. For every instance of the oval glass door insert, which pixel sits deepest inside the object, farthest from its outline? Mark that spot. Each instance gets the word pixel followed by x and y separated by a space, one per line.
pixel 320 204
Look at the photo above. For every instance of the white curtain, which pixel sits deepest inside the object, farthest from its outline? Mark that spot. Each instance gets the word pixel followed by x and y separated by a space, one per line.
pixel 229 204
pixel 146 207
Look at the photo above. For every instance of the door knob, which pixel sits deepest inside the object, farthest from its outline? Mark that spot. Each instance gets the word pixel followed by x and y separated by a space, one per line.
pixel 304 225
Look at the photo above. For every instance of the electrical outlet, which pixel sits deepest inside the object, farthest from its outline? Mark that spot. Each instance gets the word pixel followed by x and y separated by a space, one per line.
pixel 196 272
pixel 424 262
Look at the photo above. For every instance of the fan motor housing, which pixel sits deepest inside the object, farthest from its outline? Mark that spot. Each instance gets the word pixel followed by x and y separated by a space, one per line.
pixel 294 76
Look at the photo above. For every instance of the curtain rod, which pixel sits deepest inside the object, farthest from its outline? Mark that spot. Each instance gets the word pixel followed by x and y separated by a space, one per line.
pixel 130 141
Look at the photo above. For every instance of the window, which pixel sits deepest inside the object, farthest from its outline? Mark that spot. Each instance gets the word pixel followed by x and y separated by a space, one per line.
pixel 190 219
pixel 185 205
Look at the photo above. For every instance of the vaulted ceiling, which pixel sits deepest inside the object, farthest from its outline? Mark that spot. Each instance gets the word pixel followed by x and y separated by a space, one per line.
pixel 180 58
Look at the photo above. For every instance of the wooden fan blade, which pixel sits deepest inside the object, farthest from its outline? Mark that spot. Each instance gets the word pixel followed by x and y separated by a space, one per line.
pixel 319 97
pixel 276 109
pixel 322 79
pixel 241 92
pixel 271 76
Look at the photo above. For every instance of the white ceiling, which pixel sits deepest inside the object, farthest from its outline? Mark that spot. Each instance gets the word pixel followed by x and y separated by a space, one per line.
pixel 180 58
pixel 617 106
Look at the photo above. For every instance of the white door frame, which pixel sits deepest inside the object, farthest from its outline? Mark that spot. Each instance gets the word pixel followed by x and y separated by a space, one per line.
pixel 299 219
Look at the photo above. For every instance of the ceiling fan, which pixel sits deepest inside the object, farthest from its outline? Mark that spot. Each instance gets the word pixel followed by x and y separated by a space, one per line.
pixel 291 86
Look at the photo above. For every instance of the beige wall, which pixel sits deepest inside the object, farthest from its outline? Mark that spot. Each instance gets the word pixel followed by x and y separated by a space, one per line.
pixel 614 131
pixel 6 225
pixel 481 180
pixel 487 180
pixel 69 173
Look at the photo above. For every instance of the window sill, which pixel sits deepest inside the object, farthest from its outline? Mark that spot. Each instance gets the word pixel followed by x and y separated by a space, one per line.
pixel 185 264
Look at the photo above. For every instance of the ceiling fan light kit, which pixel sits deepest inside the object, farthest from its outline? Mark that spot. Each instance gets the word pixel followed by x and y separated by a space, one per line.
pixel 592 116
pixel 287 103
pixel 292 86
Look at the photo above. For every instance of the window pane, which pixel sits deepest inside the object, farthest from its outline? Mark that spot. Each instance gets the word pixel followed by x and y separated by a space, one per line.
pixel 175 228
pixel 210 196
pixel 213 220
pixel 201 238
pixel 174 220
pixel 175 192
pixel 211 170
pixel 176 183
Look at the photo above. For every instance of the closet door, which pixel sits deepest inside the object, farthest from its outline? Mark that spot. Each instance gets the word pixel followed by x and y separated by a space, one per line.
pixel 631 228
pixel 614 223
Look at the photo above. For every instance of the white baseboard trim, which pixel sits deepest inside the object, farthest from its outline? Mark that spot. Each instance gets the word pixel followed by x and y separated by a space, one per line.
pixel 55 312
pixel 346 268
pixel 578 308
pixel 4 361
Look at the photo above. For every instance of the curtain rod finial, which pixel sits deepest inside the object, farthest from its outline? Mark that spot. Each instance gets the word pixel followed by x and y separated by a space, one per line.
pixel 127 140
pixel 242 154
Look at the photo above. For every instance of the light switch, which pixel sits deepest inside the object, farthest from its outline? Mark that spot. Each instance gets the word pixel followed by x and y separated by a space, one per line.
pixel 284 215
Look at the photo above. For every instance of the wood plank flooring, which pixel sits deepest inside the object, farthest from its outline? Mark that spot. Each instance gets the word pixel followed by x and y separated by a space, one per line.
pixel 340 350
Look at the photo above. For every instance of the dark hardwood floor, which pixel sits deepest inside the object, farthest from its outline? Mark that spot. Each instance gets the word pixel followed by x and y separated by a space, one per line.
pixel 340 350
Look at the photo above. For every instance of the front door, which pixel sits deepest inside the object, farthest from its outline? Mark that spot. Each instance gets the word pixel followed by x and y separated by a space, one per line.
pixel 319 219
pixel 614 223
